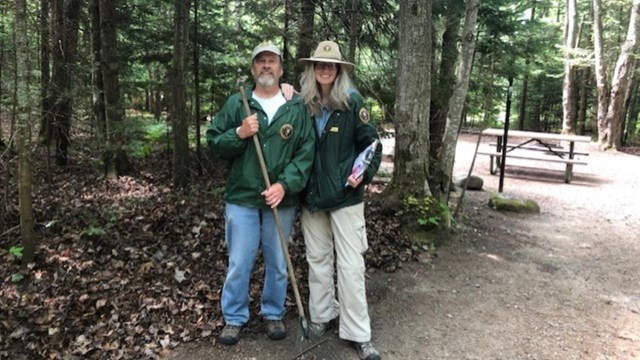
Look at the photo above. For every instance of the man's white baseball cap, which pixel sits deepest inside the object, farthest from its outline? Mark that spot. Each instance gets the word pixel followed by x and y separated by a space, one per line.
pixel 265 46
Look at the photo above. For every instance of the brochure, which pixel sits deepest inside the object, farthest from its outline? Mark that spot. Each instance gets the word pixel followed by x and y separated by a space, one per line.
pixel 361 163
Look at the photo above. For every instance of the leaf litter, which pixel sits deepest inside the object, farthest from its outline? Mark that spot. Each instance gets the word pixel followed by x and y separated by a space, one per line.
pixel 131 268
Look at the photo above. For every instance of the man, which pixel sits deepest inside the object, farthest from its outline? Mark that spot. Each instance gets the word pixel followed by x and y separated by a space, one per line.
pixel 286 135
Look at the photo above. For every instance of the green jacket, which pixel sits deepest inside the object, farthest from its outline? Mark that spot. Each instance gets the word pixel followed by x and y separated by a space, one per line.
pixel 345 135
pixel 288 145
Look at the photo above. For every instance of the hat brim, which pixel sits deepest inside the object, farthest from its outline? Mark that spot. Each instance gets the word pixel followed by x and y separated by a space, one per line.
pixel 347 65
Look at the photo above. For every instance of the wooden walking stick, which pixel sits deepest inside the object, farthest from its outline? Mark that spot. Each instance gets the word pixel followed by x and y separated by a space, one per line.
pixel 303 326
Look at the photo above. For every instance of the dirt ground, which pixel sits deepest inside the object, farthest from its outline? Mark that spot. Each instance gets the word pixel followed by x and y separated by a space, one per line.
pixel 563 284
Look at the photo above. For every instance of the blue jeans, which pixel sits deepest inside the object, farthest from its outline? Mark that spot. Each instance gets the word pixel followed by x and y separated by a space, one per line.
pixel 245 230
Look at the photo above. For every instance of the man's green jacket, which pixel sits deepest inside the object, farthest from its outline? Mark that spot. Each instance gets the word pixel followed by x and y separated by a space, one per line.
pixel 346 134
pixel 288 145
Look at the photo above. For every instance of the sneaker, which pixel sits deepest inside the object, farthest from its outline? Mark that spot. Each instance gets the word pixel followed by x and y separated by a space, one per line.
pixel 366 351
pixel 230 335
pixel 276 330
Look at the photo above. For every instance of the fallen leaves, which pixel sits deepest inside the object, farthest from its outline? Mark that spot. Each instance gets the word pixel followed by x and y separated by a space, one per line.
pixel 148 276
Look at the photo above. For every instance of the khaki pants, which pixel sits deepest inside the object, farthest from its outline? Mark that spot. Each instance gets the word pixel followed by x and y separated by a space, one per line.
pixel 342 230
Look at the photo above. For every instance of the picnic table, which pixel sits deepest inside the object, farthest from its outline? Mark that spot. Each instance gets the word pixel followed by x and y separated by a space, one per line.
pixel 537 146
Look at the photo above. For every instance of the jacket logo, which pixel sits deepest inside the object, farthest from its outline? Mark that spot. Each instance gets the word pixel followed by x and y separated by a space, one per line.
pixel 363 114
pixel 286 131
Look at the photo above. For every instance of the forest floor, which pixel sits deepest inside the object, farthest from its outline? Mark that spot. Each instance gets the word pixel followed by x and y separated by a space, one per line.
pixel 563 284
pixel 131 269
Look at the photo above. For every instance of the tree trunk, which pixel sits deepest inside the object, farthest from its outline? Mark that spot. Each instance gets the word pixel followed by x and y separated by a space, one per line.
pixel 534 117
pixel 286 56
pixel 23 128
pixel 179 112
pixel 305 36
pixel 115 158
pixel 353 31
pixel 569 90
pixel 442 88
pixel 621 79
pixel 601 75
pixel 488 90
pixel 457 100
pixel 196 82
pixel 59 86
pixel 157 108
pixel 67 40
pixel 2 144
pixel 634 109
pixel 411 161
pixel 631 90
pixel 46 117
pixel 522 108
pixel 96 73
pixel 584 91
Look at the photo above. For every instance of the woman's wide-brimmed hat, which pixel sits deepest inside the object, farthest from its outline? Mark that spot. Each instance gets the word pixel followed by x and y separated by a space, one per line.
pixel 328 51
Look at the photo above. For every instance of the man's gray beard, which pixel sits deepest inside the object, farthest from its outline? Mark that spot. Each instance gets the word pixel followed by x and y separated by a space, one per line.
pixel 266 81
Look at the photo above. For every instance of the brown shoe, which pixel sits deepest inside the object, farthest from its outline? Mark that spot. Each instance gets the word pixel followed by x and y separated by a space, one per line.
pixel 276 330
pixel 230 335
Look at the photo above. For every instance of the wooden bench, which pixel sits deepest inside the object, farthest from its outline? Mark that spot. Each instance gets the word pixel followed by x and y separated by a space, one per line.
pixel 545 152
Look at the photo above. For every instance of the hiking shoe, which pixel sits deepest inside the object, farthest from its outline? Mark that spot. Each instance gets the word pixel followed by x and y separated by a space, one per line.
pixel 230 335
pixel 276 330
pixel 366 351
pixel 319 329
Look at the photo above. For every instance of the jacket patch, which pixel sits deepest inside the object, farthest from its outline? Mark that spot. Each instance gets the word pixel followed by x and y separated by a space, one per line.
pixel 286 131
pixel 334 129
pixel 363 114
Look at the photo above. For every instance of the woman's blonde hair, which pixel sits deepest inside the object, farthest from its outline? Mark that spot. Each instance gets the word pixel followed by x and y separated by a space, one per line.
pixel 310 90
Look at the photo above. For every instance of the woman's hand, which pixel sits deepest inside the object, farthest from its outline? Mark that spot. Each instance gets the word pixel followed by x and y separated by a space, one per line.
pixel 353 181
pixel 287 91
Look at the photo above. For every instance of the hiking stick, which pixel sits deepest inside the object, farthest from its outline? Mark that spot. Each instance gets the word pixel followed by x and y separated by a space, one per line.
pixel 294 284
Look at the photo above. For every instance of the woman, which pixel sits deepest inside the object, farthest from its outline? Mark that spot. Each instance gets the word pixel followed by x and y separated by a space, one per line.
pixel 333 213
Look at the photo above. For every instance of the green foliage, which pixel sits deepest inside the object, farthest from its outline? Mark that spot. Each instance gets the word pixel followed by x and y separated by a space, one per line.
pixel 95 231
pixel 98 225
pixel 145 135
pixel 428 211
pixel 16 251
